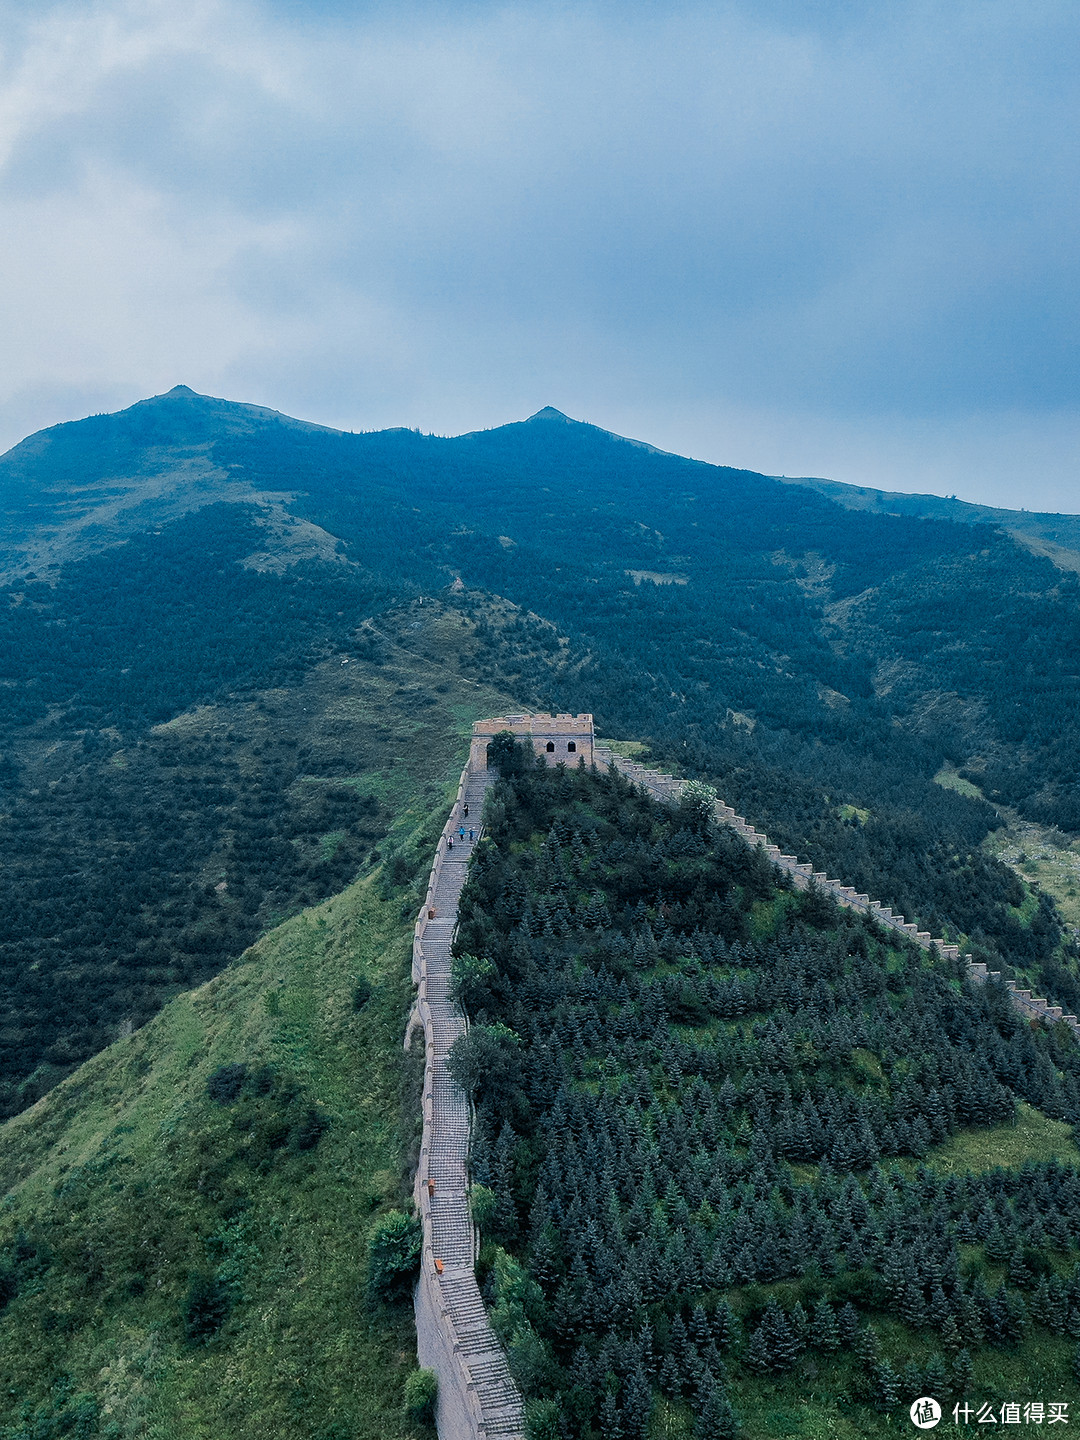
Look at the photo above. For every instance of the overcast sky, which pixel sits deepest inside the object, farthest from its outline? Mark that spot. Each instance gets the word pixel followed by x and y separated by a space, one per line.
pixel 820 238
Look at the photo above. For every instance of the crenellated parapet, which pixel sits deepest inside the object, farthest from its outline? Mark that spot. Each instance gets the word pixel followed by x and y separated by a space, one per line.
pixel 557 739
pixel 802 875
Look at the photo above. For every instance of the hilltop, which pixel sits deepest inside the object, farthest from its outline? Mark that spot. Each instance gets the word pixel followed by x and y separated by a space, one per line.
pixel 1044 532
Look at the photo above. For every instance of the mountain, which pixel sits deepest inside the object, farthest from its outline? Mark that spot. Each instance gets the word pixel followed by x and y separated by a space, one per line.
pixel 77 488
pixel 239 659
pixel 226 635
pixel 1045 533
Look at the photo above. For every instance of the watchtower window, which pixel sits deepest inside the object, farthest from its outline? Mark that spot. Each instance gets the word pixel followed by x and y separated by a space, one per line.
pixel 551 747
pixel 571 746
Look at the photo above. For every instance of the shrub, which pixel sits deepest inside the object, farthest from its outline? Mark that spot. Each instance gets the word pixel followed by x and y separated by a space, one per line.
pixel 225 1084
pixel 308 1130
pixel 470 981
pixel 482 1203
pixel 394 1255
pixel 361 994
pixel 206 1307
pixel 542 1420
pixel 507 756
pixel 487 1056
pixel 421 1394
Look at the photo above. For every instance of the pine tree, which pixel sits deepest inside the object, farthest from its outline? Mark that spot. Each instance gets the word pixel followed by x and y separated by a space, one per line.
pixel 848 1323
pixel 951 1338
pixel 965 1232
pixel 679 1340
pixel 725 1326
pixel 700 1329
pixel 824 1331
pixel 996 1246
pixel 781 1341
pixel 963 1373
pixel 895 1273
pixel 714 1364
pixel 888 1386
pixel 938 1311
pixel 1018 1320
pixel 611 1418
pixel 1039 1304
pixel 913 1306
pixel 800 1325
pixel 671 1381
pixel 1019 1273
pixel 1057 1309
pixel 757 1356
pixel 911 1381
pixel 936 1376
pixel 867 1347
pixel 716 1419
pixel 636 1404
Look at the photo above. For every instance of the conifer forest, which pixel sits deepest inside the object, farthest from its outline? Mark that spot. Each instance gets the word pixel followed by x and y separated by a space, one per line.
pixel 708 1108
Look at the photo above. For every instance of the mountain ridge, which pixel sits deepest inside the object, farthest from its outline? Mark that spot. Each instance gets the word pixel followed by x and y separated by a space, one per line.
pixel 823 666
pixel 1059 532
pixel 152 462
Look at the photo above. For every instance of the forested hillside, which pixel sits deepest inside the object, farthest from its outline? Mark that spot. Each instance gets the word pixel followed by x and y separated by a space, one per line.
pixel 234 770
pixel 743 1163
pixel 184 751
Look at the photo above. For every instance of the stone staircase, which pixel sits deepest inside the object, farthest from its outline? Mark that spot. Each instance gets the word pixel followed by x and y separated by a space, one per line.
pixel 471 1362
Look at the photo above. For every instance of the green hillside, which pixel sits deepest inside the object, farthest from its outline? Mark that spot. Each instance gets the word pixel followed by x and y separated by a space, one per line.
pixel 211 615
pixel 747 1164
pixel 186 1217
pixel 129 1184
pixel 1054 535
pixel 138 860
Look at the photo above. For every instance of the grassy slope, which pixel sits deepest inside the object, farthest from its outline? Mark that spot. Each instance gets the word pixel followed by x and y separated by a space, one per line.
pixel 127 1179
pixel 1044 857
pixel 127 1171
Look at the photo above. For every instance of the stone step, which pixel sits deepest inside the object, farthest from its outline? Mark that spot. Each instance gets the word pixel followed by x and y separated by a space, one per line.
pixel 450 1232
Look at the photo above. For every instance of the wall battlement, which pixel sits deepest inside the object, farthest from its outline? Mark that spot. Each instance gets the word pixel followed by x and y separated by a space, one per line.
pixel 666 787
pixel 559 739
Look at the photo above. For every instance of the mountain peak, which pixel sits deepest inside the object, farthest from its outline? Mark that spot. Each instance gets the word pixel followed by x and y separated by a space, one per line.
pixel 550 413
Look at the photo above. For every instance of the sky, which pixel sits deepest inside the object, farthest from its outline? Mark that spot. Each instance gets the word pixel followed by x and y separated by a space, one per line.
pixel 809 237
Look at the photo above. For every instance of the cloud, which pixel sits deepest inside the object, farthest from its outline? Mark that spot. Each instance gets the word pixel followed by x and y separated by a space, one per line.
pixel 848 224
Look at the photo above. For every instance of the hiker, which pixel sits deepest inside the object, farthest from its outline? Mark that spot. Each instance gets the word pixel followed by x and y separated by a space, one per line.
pixel 465 812
pixel 449 842
pixel 461 832
pixel 472 834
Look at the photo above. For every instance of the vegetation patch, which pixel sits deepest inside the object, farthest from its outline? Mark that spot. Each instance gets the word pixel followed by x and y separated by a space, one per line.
pixel 740 1177
pixel 1030 1137
pixel 188 1218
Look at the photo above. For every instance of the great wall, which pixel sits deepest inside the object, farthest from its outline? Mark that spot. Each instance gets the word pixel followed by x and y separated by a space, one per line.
pixel 477 1397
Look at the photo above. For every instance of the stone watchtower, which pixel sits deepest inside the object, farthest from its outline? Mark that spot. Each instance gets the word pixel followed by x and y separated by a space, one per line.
pixel 558 738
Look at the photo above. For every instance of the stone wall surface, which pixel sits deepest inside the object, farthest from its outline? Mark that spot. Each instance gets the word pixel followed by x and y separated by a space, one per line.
pixel 557 739
pixel 666 787
pixel 478 1399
